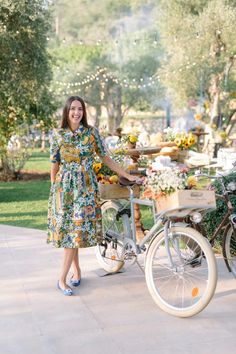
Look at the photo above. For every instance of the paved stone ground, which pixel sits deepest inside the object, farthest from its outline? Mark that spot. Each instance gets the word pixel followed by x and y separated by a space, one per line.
pixel 110 314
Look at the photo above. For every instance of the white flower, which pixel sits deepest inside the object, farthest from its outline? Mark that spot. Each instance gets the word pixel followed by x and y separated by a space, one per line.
pixel 165 181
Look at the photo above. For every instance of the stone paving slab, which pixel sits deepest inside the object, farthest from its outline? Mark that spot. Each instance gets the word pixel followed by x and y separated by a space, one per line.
pixel 110 314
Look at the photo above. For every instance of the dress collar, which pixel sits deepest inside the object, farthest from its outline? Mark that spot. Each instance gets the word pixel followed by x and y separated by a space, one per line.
pixel 79 130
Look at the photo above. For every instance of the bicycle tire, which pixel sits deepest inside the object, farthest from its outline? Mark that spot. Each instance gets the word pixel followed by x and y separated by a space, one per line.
pixel 110 253
pixel 196 283
pixel 229 249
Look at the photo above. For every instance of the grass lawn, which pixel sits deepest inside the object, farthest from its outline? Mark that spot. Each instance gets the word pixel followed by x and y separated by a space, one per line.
pixel 24 204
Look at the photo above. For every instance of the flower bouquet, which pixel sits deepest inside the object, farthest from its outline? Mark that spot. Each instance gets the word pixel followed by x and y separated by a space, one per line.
pixel 129 139
pixel 184 141
pixel 104 174
pixel 173 190
pixel 164 182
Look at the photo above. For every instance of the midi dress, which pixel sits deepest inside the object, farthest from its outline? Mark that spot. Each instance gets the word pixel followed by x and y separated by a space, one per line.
pixel 74 212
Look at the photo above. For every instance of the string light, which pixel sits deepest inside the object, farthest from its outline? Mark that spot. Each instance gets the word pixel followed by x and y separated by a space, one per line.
pixel 134 83
pixel 99 42
pixel 103 74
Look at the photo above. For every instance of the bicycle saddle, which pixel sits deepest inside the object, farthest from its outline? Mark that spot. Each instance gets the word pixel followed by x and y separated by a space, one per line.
pixel 126 183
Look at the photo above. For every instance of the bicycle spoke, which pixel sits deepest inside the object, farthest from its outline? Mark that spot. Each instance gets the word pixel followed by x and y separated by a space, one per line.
pixel 177 282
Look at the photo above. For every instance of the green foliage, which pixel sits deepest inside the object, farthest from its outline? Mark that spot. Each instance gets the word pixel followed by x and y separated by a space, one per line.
pixel 200 44
pixel 95 17
pixel 25 66
pixel 121 7
pixel 213 219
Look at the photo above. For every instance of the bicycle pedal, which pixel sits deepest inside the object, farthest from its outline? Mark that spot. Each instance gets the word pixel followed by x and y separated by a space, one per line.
pixel 195 263
pixel 129 255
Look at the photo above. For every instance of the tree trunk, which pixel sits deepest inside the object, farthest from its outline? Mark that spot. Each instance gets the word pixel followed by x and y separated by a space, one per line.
pixel 118 103
pixel 110 118
pixel 98 116
pixel 43 141
pixel 113 106
pixel 214 91
pixel 95 116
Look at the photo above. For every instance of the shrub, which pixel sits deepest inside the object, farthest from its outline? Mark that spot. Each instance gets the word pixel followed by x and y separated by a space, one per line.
pixel 18 152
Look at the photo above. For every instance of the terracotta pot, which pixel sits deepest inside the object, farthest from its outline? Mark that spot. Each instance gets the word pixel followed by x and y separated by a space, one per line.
pixel 135 156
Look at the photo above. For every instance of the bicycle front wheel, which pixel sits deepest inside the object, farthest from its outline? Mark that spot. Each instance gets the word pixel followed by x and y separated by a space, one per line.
pixel 186 285
pixel 229 249
pixel 110 252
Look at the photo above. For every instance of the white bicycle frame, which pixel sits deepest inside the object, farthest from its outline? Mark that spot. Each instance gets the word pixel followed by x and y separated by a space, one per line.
pixel 159 219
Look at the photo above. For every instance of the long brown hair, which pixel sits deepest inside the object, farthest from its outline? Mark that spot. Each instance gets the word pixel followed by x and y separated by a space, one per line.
pixel 66 109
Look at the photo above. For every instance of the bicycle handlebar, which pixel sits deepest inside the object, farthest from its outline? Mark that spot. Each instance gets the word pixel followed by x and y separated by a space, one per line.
pixel 220 175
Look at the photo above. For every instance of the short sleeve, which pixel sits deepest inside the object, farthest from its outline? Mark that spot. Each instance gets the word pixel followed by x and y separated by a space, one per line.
pixel 99 144
pixel 54 148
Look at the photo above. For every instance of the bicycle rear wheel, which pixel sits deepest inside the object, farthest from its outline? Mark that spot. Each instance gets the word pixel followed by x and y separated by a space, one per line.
pixel 185 288
pixel 229 249
pixel 110 252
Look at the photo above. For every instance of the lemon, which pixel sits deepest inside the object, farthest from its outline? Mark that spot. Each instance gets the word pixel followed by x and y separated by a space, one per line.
pixel 114 179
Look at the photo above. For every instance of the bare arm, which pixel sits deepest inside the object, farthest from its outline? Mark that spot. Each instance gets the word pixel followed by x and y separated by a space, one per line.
pixel 54 170
pixel 114 166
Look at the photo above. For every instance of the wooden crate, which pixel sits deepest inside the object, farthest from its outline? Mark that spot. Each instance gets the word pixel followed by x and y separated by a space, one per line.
pixel 115 191
pixel 191 199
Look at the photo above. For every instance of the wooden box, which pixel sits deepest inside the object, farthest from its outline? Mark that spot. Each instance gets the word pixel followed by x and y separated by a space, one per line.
pixel 115 191
pixel 176 202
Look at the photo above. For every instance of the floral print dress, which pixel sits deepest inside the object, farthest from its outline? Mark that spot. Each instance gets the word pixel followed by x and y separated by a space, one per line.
pixel 74 213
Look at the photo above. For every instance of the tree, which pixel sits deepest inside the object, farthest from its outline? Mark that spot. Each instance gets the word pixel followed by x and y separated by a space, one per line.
pixel 107 68
pixel 200 51
pixel 25 67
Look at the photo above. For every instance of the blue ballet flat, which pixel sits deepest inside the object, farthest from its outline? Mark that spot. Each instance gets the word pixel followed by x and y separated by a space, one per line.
pixel 75 282
pixel 66 292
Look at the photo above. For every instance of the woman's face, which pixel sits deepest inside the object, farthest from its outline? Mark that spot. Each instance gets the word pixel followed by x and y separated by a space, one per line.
pixel 75 114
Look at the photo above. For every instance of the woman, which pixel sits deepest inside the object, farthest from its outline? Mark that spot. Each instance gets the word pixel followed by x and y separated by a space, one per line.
pixel 74 215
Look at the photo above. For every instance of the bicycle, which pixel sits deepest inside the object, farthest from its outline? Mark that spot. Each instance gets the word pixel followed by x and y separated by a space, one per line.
pixel 180 267
pixel 228 223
